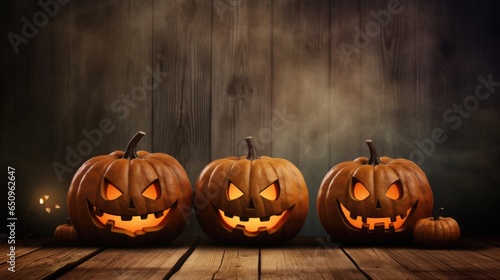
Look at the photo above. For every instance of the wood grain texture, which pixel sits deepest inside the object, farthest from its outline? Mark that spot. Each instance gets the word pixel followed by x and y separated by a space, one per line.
pixel 241 76
pixel 213 261
pixel 302 258
pixel 447 102
pixel 388 78
pixel 23 249
pixel 300 100
pixel 130 263
pixel 377 264
pixel 306 259
pixel 181 101
pixel 345 83
pixel 46 261
pixel 466 260
pixel 110 75
pixel 310 80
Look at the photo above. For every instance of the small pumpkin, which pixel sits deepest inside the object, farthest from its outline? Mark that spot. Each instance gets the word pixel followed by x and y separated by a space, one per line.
pixel 251 200
pixel 373 200
pixel 436 232
pixel 66 234
pixel 130 198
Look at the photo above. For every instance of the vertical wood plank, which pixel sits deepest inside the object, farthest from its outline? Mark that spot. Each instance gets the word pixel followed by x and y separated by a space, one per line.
pixel 181 102
pixel 32 137
pixel 388 75
pixel 345 82
pixel 449 51
pixel 241 76
pixel 182 51
pixel 102 77
pixel 301 92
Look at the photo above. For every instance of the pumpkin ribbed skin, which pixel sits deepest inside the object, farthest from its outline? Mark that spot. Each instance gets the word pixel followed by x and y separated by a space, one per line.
pixel 395 216
pixel 131 173
pixel 251 176
pixel 66 234
pixel 436 232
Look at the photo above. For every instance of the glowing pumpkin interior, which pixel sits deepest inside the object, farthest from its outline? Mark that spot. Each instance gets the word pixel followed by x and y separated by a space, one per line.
pixel 131 225
pixel 253 225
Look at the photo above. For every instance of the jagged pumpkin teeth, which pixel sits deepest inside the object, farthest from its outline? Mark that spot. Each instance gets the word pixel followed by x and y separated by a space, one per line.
pixel 129 197
pixel 373 200
pixel 159 214
pixel 251 199
pixel 126 218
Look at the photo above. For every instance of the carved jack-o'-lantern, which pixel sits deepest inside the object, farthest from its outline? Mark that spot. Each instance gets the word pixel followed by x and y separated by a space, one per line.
pixel 129 198
pixel 251 200
pixel 373 200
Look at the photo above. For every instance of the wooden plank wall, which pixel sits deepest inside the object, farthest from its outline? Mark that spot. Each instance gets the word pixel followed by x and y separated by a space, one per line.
pixel 310 80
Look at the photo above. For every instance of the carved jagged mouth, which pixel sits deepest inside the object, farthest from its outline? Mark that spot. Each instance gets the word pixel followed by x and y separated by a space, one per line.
pixel 131 225
pixel 252 226
pixel 389 224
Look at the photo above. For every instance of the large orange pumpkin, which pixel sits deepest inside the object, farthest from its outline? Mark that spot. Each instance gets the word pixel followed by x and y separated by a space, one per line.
pixel 373 199
pixel 251 200
pixel 130 198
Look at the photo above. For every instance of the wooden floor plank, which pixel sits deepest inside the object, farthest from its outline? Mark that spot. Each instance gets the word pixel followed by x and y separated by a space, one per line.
pixel 132 263
pixel 485 247
pixel 307 258
pixel 494 240
pixel 46 261
pixel 22 249
pixel 377 264
pixel 463 261
pixel 213 261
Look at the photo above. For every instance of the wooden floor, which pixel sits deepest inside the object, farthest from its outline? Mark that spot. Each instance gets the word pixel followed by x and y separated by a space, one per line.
pixel 302 258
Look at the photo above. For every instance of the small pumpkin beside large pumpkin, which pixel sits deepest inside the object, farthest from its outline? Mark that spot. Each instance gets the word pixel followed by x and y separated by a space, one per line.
pixel 373 200
pixel 66 234
pixel 436 232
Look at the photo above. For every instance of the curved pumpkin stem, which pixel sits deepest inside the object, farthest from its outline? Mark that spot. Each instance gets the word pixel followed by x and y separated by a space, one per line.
pixel 252 152
pixel 374 158
pixel 130 152
pixel 436 216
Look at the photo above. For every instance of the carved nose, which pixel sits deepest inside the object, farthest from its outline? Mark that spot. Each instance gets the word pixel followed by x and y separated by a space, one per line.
pixel 131 205
pixel 378 205
pixel 250 205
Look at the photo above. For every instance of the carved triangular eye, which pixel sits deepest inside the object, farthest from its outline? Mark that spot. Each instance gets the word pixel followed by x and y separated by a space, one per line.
pixel 359 191
pixel 233 192
pixel 111 192
pixel 395 191
pixel 271 192
pixel 153 191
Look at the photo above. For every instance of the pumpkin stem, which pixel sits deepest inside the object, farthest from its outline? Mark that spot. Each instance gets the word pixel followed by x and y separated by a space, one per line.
pixel 68 221
pixel 252 152
pixel 374 158
pixel 436 216
pixel 130 152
